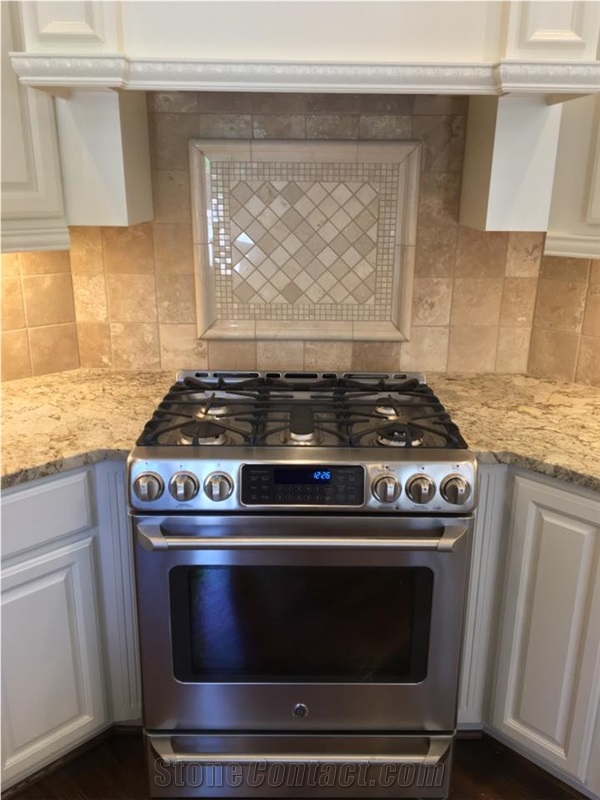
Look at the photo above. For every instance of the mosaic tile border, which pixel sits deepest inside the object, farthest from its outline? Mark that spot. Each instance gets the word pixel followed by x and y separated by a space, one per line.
pixel 340 265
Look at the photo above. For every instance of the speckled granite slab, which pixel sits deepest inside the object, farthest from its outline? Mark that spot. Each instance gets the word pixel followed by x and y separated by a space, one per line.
pixel 69 419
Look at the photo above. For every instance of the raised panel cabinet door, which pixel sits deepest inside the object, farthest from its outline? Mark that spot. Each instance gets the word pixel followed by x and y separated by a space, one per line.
pixel 32 202
pixel 52 676
pixel 548 678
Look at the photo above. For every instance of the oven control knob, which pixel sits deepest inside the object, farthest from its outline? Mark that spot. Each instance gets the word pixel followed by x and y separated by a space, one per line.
pixel 420 489
pixel 183 486
pixel 455 490
pixel 148 486
pixel 218 486
pixel 387 489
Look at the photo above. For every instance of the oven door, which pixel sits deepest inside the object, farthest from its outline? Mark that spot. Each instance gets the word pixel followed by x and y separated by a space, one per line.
pixel 301 623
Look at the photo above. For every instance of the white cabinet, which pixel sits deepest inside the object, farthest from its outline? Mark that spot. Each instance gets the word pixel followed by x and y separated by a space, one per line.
pixel 53 683
pixel 32 202
pixel 547 686
pixel 574 228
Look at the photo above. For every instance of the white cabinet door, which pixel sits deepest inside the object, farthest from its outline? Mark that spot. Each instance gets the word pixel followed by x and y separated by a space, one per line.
pixel 32 201
pixel 52 681
pixel 548 675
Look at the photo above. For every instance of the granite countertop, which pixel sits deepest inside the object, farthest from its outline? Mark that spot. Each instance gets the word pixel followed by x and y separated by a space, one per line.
pixel 66 420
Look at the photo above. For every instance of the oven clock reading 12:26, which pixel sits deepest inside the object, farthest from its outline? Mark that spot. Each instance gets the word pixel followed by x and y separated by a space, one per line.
pixel 322 475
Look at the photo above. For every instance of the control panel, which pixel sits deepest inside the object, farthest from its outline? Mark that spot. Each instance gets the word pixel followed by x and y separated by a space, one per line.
pixel 283 485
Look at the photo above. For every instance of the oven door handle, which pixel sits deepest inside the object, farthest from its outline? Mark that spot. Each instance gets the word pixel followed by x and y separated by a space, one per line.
pixel 164 749
pixel 151 537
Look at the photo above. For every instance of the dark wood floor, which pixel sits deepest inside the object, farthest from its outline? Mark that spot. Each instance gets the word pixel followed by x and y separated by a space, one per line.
pixel 113 769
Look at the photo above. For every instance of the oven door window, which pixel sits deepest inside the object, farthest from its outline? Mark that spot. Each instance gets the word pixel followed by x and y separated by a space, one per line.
pixel 300 624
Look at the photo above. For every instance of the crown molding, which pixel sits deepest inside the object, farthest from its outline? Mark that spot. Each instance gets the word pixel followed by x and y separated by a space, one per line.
pixel 118 72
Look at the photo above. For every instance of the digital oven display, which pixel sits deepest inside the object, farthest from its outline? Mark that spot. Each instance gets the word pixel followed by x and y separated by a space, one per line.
pixel 303 484
pixel 302 475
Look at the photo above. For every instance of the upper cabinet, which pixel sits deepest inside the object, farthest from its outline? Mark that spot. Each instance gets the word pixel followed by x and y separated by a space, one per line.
pixel 32 201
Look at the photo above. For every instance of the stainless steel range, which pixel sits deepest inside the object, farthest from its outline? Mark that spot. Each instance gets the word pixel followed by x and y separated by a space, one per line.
pixel 302 545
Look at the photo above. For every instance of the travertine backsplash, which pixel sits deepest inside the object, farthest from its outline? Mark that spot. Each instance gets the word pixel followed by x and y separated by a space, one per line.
pixel 132 298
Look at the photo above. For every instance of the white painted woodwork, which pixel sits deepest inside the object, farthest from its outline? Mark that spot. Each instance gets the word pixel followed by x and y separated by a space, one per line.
pixel 344 46
pixel 552 29
pixel 89 27
pixel 32 203
pixel 483 580
pixel 510 155
pixel 52 676
pixel 574 227
pixel 103 139
pixel 45 511
pixel 548 675
pixel 118 590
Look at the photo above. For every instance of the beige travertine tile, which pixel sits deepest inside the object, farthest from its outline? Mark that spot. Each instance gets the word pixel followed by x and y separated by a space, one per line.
pixel 10 265
pixel 278 126
pixel 48 299
pixel 433 258
pixel 278 102
pixel 135 345
pixel 595 271
pixel 376 356
pixel 331 126
pixel 186 102
pixel 565 269
pixel 171 191
pixel 16 362
pixel 86 249
pixel 44 262
pixel 439 200
pixel 443 142
pixel 89 292
pixel 518 302
pixel 13 314
pixel 225 126
pixel 402 104
pixel 472 349
pixel 427 349
pixel 480 254
pixel 169 137
pixel 320 356
pixel 176 298
pixel 513 349
pixel 94 344
pixel 53 348
pixel 553 354
pixel 441 104
pixel 225 102
pixel 231 355
pixel 591 317
pixel 279 355
pixel 432 299
pixel 334 103
pixel 180 348
pixel 384 126
pixel 173 249
pixel 476 301
pixel 524 254
pixel 131 298
pixel 588 362
pixel 128 250
pixel 559 305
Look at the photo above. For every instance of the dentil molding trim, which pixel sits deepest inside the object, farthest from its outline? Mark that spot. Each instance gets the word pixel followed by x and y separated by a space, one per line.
pixel 119 72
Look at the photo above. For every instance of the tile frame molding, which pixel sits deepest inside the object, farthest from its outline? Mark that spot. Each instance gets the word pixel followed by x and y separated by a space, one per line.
pixel 407 155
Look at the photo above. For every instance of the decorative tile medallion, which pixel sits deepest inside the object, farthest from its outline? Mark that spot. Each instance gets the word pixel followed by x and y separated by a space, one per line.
pixel 304 239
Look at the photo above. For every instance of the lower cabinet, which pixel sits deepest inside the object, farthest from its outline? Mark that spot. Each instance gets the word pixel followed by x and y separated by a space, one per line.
pixel 547 686
pixel 53 676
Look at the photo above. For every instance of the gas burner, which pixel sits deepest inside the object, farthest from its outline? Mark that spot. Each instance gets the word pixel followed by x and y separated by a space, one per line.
pixel 309 439
pixel 387 411
pixel 203 433
pixel 208 411
pixel 398 436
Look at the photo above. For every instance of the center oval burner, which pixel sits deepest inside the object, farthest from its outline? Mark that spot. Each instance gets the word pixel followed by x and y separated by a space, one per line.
pixel 203 433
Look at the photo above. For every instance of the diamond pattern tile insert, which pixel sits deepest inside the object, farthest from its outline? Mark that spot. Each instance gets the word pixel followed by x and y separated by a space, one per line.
pixel 302 240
